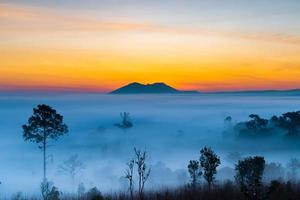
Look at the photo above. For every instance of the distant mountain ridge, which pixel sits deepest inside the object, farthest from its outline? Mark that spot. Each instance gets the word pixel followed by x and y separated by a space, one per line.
pixel 264 92
pixel 154 88
pixel 162 88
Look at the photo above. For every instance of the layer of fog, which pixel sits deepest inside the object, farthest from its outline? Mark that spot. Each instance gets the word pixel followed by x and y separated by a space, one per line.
pixel 172 128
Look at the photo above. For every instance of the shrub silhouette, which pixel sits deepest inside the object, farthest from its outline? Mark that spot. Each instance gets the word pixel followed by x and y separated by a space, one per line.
pixel 49 192
pixel 126 121
pixel 94 194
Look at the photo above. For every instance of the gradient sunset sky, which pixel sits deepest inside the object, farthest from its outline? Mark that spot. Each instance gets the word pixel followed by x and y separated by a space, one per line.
pixel 98 45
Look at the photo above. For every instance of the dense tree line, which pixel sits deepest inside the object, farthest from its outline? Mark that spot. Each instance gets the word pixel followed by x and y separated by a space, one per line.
pixel 287 124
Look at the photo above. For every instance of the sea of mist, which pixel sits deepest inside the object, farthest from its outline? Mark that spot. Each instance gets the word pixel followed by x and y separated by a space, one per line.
pixel 171 128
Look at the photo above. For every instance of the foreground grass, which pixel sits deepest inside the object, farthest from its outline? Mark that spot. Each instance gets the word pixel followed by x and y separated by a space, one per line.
pixel 274 191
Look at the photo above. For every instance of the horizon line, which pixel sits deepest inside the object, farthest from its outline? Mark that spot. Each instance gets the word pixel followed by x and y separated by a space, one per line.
pixel 99 91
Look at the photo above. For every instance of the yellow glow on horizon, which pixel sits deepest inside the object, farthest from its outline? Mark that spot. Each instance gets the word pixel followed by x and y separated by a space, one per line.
pixel 103 56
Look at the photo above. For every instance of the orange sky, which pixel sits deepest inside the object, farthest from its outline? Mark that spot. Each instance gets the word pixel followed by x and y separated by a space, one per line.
pixel 44 48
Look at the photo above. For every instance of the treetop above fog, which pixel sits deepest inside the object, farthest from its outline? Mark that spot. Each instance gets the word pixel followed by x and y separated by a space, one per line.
pixel 287 124
pixel 45 122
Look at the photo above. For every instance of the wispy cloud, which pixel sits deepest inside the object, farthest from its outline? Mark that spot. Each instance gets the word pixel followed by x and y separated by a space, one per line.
pixel 19 18
pixel 25 18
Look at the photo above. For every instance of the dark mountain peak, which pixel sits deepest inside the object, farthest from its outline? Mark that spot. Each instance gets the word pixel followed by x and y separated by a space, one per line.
pixel 134 83
pixel 153 88
pixel 158 83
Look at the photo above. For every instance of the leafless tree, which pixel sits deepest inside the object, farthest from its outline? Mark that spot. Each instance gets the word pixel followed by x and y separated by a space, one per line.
pixel 72 166
pixel 80 191
pixel 293 166
pixel 142 168
pixel 129 176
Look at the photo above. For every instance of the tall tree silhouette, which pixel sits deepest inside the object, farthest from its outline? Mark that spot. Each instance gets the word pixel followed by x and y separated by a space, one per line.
pixel 209 161
pixel 44 124
pixel 249 174
pixel 195 172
